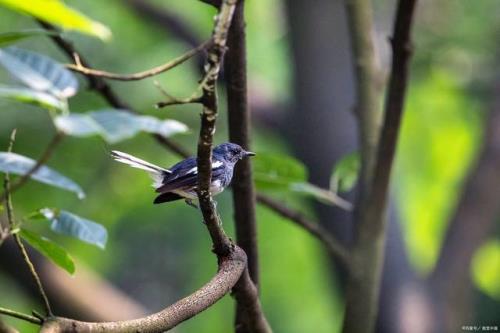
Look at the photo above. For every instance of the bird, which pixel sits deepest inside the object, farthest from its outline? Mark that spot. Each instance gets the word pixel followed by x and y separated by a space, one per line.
pixel 181 180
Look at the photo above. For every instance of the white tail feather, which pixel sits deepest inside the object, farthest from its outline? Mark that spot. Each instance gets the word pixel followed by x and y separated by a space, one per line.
pixel 138 163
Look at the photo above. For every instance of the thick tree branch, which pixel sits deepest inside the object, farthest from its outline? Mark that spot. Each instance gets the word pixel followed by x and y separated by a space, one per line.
pixel 80 68
pixel 230 269
pixel 367 258
pixel 239 132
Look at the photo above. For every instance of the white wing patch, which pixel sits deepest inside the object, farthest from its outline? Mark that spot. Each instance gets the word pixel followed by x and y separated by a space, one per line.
pixel 194 170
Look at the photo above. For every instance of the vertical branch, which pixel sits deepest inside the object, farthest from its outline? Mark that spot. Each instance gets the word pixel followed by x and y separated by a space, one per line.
pixel 239 132
pixel 367 108
pixel 367 258
pixel 17 238
pixel 222 245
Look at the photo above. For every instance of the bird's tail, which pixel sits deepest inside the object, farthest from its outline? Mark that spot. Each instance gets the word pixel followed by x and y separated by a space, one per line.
pixel 138 163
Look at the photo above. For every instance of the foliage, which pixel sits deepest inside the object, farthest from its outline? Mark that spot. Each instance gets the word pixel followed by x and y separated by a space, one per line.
pixel 51 250
pixel 56 12
pixel 21 165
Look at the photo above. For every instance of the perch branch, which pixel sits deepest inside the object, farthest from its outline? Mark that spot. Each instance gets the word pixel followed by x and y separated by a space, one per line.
pixel 230 270
pixel 215 54
pixel 245 291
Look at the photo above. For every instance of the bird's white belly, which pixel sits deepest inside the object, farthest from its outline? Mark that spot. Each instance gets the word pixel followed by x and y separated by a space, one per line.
pixel 215 188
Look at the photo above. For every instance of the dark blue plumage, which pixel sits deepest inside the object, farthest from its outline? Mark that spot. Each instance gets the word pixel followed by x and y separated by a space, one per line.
pixel 180 181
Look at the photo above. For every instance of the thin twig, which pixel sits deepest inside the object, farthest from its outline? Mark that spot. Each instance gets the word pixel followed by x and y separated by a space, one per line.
pixel 101 86
pixel 80 68
pixel 17 238
pixel 47 153
pixel 195 98
pixel 318 231
pixel 20 315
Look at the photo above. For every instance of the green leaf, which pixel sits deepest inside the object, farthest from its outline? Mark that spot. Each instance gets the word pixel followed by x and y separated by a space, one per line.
pixel 70 224
pixel 56 12
pixel 277 172
pixel 485 268
pixel 39 72
pixel 20 165
pixel 11 37
pixel 116 125
pixel 49 249
pixel 346 172
pixel 322 195
pixel 38 98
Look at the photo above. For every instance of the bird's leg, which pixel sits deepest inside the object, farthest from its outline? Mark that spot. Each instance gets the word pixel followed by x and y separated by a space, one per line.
pixel 191 203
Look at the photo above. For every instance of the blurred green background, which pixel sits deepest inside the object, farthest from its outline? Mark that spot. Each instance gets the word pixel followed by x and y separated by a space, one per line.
pixel 157 254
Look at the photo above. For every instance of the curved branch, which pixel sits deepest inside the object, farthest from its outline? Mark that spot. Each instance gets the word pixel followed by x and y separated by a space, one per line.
pixel 80 68
pixel 230 270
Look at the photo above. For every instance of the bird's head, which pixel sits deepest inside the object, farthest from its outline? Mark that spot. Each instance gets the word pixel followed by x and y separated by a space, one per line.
pixel 231 152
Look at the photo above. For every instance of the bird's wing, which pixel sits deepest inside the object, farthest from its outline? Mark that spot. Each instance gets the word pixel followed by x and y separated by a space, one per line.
pixel 186 176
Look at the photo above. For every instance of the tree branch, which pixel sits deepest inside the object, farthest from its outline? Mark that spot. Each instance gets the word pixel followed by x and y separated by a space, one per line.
pixel 222 244
pixel 100 85
pixel 239 132
pixel 80 68
pixel 367 108
pixel 245 291
pixel 230 270
pixel 367 257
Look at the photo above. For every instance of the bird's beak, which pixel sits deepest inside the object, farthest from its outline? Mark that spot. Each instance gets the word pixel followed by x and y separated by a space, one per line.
pixel 249 153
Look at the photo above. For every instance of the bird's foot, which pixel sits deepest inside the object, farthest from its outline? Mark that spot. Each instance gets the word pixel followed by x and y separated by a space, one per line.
pixel 191 203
